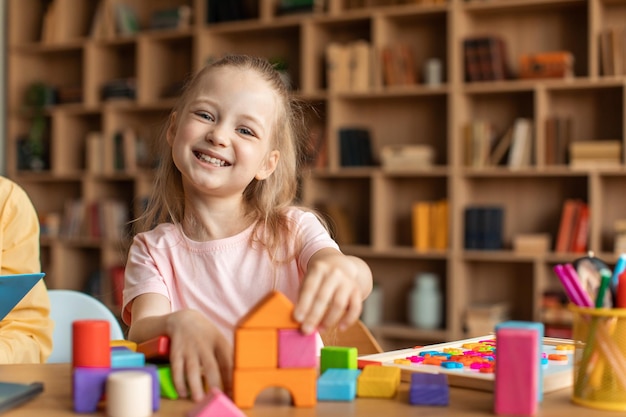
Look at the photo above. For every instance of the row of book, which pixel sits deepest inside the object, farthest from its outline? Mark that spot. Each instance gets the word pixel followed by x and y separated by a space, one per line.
pixel 105 219
pixel 483 147
pixel 558 139
pixel 573 230
pixel 355 147
pixel 124 151
pixel 430 225
pixel 483 227
pixel 613 51
pixel 359 66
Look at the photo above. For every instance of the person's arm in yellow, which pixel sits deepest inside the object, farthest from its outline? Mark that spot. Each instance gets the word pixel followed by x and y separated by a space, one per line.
pixel 26 332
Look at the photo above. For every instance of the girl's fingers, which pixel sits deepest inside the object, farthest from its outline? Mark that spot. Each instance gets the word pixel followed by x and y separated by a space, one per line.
pixel 194 380
pixel 307 295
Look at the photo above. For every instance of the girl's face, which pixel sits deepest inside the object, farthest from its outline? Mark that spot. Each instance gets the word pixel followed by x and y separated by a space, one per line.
pixel 221 141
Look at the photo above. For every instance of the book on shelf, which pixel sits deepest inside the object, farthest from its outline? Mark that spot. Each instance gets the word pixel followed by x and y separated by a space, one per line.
pixel 483 227
pixel 337 66
pixel 485 59
pixel 94 149
pixel 595 153
pixel 501 147
pixel 613 51
pixel 479 137
pixel 573 227
pixel 360 65
pixel 558 138
pixel 355 147
pixel 398 65
pixel 429 222
pixel 412 157
pixel 520 154
pixel 178 17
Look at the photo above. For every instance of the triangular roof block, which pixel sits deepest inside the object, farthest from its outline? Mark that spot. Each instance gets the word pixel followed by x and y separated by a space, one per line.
pixel 275 311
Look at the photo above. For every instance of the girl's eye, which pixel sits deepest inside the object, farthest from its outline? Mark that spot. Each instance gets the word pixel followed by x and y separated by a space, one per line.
pixel 204 115
pixel 246 131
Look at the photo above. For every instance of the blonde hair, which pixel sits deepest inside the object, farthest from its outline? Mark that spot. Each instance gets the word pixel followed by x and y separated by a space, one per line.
pixel 266 200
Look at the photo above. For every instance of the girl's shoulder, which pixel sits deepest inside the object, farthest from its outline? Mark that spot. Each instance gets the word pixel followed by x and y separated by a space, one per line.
pixel 164 234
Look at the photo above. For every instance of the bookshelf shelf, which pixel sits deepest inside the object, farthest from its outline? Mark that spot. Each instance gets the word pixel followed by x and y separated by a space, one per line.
pixel 370 207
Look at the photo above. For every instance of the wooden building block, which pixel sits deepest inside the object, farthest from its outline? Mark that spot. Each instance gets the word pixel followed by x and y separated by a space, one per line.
pixel 337 385
pixel 275 311
pixel 517 371
pixel 166 383
pixel 338 357
pixel 156 349
pixel 122 357
pixel 296 350
pixel 215 404
pixel 256 348
pixel 378 381
pixel 248 383
pixel 124 343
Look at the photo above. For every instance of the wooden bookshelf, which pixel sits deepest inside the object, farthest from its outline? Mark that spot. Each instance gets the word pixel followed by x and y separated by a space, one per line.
pixel 375 203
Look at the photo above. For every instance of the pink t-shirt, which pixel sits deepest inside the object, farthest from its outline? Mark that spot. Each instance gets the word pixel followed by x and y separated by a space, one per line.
pixel 222 278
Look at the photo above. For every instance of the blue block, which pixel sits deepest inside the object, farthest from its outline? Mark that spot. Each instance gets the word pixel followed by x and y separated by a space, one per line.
pixel 337 384
pixel 429 389
pixel 122 357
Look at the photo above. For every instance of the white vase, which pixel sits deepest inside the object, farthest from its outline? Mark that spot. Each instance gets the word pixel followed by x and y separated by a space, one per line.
pixel 424 304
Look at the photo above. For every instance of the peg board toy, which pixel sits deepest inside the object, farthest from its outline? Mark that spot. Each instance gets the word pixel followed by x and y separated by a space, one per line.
pixel 557 374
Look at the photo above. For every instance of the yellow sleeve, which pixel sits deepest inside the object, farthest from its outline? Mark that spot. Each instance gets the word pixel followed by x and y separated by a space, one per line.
pixel 26 332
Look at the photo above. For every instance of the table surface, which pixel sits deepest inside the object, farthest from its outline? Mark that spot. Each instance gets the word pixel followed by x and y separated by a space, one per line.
pixel 56 401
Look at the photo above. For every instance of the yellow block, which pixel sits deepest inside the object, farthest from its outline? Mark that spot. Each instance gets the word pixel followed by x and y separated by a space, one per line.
pixel 378 381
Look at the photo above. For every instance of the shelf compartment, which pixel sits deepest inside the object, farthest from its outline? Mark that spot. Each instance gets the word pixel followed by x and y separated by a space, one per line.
pixel 532 27
pixel 392 121
pixel 278 44
pixel 108 61
pixel 519 197
pixel 68 147
pixel 612 208
pixel 394 201
pixel 346 203
pixel 395 279
pixel 168 81
pixel 495 281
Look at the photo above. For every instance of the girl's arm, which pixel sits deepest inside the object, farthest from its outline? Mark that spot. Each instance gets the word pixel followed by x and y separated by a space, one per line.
pixel 199 353
pixel 333 291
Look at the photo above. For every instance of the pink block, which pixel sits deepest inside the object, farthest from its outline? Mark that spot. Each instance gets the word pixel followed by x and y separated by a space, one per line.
pixel 517 367
pixel 296 350
pixel 215 404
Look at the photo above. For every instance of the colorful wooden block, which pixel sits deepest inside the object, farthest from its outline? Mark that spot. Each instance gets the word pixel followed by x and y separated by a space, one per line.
pixel 378 382
pixel 274 311
pixel 297 350
pixel 156 349
pixel 539 328
pixel 122 357
pixel 337 385
pixel 129 393
pixel 89 385
pixel 517 371
pixel 91 341
pixel 429 389
pixel 338 357
pixel 166 383
pixel 248 383
pixel 256 348
pixel 215 404
pixel 124 343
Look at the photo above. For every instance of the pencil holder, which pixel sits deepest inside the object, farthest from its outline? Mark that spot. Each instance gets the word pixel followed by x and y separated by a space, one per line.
pixel 600 358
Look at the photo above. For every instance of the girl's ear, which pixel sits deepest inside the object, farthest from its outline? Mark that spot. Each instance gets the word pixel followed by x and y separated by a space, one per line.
pixel 171 129
pixel 271 161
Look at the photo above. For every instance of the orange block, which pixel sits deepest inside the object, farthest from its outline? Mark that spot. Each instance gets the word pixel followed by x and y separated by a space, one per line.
pixel 275 311
pixel 301 384
pixel 256 348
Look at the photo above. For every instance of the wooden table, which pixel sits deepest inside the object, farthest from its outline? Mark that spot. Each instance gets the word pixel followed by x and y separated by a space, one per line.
pixel 56 401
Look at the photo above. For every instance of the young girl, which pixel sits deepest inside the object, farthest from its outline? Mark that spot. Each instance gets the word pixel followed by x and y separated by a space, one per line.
pixel 226 232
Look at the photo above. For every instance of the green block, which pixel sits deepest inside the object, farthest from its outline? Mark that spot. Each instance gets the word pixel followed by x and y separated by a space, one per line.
pixel 166 383
pixel 338 357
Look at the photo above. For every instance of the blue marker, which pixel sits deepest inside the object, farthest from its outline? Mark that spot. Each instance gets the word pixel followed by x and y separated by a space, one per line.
pixel 619 268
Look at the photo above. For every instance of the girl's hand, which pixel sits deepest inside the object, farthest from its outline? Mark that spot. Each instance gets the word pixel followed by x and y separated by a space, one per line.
pixel 200 356
pixel 332 292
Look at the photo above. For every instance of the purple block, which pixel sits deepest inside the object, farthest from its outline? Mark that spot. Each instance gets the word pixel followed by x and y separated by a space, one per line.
pixel 429 389
pixel 89 384
pixel 296 350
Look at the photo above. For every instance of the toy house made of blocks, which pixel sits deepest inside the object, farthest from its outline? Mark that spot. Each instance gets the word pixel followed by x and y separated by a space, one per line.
pixel 270 351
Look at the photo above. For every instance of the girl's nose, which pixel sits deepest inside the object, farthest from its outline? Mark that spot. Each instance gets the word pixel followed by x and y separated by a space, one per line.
pixel 216 135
